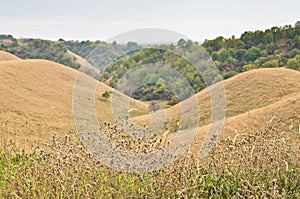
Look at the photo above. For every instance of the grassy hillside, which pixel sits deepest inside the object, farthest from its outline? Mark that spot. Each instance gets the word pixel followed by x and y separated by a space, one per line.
pixel 36 101
pixel 5 56
pixel 253 99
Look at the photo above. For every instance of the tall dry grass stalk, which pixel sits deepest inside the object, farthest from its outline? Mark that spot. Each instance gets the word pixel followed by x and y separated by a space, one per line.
pixel 263 164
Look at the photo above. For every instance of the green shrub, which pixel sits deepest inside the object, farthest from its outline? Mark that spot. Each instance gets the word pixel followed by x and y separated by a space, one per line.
pixel 271 64
pixel 248 67
pixel 294 63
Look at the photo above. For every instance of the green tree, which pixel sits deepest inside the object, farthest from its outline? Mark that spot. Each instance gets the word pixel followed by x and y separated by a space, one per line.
pixel 247 38
pixel 253 53
pixel 182 43
pixel 106 95
pixel 211 76
pixel 224 55
pixel 270 48
pixel 293 53
pixel 173 100
pixel 248 67
pixel 271 63
pixel 229 74
pixel 215 56
pixel 294 63
pixel 132 45
pixel 215 44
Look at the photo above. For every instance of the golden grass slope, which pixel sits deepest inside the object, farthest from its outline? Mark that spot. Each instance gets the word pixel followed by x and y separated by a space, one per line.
pixel 248 91
pixel 36 101
pixel 5 56
pixel 253 98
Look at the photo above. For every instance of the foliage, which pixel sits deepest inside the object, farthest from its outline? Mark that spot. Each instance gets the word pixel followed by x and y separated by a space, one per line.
pixel 98 53
pixel 294 63
pixel 293 53
pixel 229 74
pixel 38 49
pixel 173 101
pixel 106 95
pixel 252 54
pixel 248 67
pixel 271 63
pixel 156 88
pixel 276 43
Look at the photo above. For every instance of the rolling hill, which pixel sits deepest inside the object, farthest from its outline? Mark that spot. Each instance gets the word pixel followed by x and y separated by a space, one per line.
pixel 36 101
pixel 257 98
pixel 253 98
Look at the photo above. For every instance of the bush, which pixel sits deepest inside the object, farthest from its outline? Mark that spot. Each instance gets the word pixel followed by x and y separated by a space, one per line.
pixel 293 53
pixel 106 94
pixel 229 74
pixel 271 64
pixel 294 63
pixel 248 67
pixel 253 53
pixel 173 100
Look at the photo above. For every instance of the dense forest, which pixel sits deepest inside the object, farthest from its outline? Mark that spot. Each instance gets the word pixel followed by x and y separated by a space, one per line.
pixel 274 47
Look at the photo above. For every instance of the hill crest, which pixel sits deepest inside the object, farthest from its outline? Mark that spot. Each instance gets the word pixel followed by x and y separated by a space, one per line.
pixel 5 56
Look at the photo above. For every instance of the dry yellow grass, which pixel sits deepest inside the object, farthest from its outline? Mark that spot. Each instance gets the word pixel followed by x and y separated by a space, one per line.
pixel 253 99
pixel 5 56
pixel 36 101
